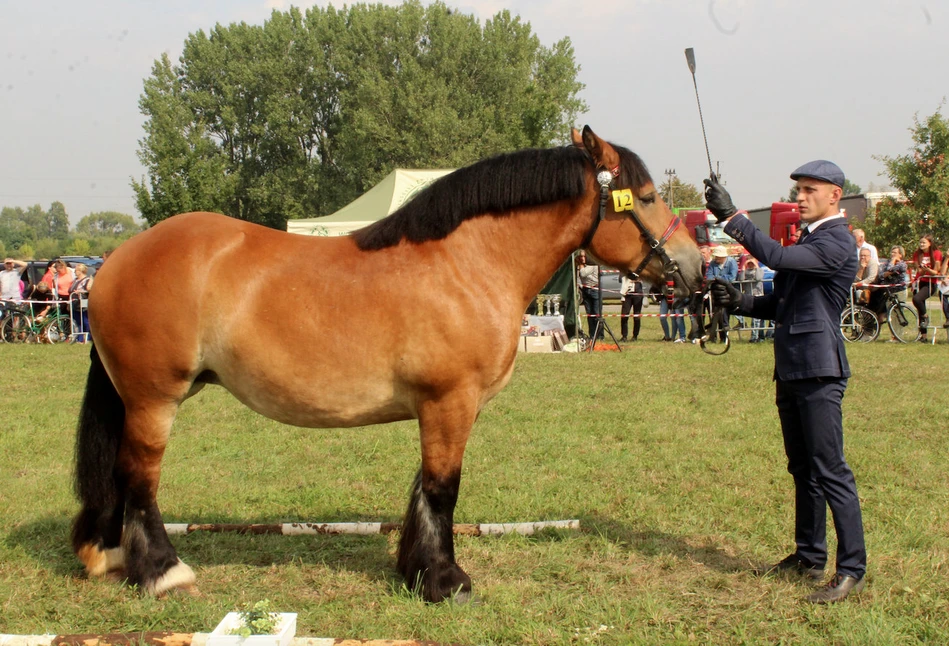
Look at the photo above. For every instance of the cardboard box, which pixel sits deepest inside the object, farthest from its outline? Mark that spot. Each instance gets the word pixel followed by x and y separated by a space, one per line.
pixel 539 343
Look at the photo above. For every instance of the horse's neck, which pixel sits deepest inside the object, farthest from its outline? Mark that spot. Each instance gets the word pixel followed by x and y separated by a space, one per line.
pixel 523 249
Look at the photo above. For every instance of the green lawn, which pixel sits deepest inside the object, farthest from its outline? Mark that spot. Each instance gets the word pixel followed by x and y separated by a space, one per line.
pixel 672 460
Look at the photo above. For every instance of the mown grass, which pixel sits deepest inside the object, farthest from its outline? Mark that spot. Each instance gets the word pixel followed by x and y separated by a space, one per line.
pixel 672 460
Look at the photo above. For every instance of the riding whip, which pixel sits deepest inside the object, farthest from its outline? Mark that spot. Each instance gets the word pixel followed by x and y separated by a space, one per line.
pixel 716 314
pixel 690 59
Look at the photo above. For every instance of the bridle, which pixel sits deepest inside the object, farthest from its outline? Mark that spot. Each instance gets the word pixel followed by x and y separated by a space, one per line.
pixel 623 202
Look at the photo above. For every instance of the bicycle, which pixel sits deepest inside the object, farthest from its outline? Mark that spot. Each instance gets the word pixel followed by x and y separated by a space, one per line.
pixel 902 319
pixel 19 326
pixel 859 323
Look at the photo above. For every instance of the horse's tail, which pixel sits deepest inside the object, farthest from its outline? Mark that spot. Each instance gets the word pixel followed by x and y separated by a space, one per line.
pixel 98 436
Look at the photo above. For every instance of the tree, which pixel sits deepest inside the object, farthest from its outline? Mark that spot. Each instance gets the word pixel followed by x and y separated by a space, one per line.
pixel 107 223
pixel 302 114
pixel 922 178
pixel 79 247
pixel 14 230
pixel 682 194
pixel 56 224
pixel 851 189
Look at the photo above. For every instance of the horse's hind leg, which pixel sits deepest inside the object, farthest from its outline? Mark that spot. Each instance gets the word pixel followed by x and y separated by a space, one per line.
pixel 150 559
pixel 427 549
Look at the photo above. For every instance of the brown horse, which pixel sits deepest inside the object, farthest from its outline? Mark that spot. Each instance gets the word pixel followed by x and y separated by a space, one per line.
pixel 169 313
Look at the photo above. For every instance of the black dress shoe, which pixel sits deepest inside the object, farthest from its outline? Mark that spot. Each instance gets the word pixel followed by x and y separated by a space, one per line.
pixel 794 564
pixel 838 589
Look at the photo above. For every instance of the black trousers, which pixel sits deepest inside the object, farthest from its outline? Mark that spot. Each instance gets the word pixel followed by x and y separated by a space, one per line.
pixel 812 425
pixel 632 302
pixel 924 291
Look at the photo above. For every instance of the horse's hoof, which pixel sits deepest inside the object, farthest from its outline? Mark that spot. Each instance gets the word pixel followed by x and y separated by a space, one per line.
pixel 100 562
pixel 178 576
pixel 465 598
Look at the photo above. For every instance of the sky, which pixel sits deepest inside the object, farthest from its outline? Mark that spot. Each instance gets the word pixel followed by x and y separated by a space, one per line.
pixel 781 82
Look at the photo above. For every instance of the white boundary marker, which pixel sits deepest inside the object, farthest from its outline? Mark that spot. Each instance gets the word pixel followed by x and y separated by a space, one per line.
pixel 302 529
pixel 180 639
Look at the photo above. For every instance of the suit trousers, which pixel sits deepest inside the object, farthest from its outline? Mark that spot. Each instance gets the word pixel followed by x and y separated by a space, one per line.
pixel 812 425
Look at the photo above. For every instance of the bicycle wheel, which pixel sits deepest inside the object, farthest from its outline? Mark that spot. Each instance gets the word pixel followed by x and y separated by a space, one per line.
pixel 15 328
pixel 57 330
pixel 859 324
pixel 903 322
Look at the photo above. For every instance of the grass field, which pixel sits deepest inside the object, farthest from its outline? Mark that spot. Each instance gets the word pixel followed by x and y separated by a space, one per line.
pixel 672 460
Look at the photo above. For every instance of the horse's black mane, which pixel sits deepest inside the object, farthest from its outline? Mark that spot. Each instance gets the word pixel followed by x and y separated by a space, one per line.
pixel 493 186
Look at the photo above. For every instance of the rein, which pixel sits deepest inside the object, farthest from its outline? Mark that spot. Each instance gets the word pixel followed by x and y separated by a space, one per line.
pixel 715 319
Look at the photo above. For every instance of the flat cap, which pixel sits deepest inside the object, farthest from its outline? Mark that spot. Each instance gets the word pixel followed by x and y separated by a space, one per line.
pixel 821 169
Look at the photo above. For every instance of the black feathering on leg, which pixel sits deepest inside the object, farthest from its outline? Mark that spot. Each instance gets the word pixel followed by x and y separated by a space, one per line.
pixel 426 550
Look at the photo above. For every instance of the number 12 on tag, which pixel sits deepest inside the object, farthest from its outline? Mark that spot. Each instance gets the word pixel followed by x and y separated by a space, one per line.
pixel 623 200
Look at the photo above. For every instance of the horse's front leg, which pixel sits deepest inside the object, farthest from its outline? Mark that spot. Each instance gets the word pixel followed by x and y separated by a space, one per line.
pixel 427 548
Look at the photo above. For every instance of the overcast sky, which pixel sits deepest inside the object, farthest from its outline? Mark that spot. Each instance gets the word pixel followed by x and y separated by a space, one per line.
pixel 781 82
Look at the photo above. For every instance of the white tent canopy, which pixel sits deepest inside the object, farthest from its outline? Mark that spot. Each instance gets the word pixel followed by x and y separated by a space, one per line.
pixel 397 188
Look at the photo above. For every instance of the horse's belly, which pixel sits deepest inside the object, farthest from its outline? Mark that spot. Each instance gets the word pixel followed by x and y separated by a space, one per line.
pixel 321 405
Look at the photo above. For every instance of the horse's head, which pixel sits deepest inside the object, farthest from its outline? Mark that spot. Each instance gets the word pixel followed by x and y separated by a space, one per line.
pixel 635 231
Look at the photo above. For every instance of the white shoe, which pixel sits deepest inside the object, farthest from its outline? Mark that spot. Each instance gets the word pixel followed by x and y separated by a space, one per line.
pixel 679 341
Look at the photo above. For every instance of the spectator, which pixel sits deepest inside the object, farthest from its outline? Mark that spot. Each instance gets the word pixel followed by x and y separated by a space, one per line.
pixel 50 276
pixel 926 265
pixel 672 320
pixel 38 296
pixel 944 292
pixel 752 282
pixel 867 270
pixel 11 287
pixel 722 266
pixel 78 292
pixel 589 278
pixel 697 303
pixel 891 272
pixel 632 291
pixel 862 243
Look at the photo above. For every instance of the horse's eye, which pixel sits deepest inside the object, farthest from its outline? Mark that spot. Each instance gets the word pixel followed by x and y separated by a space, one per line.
pixel 648 199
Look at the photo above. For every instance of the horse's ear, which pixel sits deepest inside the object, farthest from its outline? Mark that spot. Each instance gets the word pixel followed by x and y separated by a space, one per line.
pixel 602 153
pixel 576 138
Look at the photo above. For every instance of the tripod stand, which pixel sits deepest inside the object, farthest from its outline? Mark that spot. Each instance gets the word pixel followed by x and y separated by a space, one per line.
pixel 601 324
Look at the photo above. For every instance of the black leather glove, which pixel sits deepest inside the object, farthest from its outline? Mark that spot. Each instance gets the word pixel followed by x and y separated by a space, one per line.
pixel 717 199
pixel 724 294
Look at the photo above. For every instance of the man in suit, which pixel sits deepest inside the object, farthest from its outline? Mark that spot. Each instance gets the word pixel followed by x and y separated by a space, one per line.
pixel 810 367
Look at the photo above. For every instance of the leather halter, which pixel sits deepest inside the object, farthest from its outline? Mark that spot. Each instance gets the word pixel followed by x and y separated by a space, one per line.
pixel 605 179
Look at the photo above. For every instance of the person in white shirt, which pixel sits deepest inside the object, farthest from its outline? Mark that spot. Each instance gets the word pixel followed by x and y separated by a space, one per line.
pixel 10 280
pixel 862 243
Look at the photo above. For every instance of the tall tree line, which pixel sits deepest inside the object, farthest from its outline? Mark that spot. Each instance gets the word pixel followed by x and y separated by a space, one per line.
pixel 37 233
pixel 299 116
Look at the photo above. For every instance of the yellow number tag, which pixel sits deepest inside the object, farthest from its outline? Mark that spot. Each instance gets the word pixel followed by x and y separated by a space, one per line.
pixel 623 200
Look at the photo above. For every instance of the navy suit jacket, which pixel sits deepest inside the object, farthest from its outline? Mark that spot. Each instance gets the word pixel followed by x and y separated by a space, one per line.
pixel 811 285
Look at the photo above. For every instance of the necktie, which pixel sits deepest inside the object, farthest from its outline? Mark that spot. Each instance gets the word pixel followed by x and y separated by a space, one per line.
pixel 804 233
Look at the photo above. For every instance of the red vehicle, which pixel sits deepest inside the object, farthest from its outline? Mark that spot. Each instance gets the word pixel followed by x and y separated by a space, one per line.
pixel 780 221
pixel 706 231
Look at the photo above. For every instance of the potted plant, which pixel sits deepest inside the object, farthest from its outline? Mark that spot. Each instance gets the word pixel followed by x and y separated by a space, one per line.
pixel 257 626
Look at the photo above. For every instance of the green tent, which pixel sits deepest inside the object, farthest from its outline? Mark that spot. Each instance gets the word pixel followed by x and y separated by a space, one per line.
pixel 396 188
